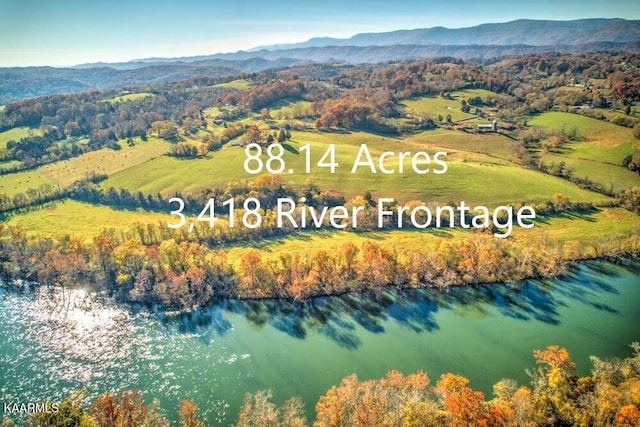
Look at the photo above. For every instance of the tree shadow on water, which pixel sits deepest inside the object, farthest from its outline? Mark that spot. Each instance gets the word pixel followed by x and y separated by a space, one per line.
pixel 207 323
pixel 533 300
pixel 415 309
pixel 589 284
pixel 342 319
pixel 338 318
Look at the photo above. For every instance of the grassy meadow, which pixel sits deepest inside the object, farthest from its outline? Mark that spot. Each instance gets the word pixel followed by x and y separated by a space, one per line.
pixel 587 229
pixel 235 84
pixel 433 106
pixel 16 134
pixel 103 161
pixel 612 177
pixel 598 140
pixel 473 177
pixel 597 153
pixel 129 97
pixel 465 145
pixel 82 219
pixel 287 109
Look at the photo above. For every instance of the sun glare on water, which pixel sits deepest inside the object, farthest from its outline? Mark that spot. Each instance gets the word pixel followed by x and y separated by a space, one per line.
pixel 77 328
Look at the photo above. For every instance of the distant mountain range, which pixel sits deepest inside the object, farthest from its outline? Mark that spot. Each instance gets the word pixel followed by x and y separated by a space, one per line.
pixel 520 32
pixel 482 41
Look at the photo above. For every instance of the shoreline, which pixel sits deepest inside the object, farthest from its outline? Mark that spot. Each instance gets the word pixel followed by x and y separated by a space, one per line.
pixel 625 260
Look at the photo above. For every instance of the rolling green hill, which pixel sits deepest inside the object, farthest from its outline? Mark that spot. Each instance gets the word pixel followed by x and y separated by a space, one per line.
pixel 475 178
pixel 597 151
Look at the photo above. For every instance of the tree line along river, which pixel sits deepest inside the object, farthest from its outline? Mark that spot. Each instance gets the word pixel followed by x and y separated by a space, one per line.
pixel 53 342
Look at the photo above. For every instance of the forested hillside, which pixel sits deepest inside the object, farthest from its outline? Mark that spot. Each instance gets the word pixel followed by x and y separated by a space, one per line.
pixel 561 129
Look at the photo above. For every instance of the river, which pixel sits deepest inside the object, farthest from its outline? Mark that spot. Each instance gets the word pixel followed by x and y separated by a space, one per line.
pixel 53 346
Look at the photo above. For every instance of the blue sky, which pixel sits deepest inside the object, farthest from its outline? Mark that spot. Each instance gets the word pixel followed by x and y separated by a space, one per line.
pixel 69 32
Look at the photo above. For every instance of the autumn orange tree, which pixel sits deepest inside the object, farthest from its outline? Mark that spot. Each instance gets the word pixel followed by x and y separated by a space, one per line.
pixel 126 409
pixel 385 402
pixel 188 414
pixel 253 135
pixel 554 385
pixel 69 413
pixel 258 410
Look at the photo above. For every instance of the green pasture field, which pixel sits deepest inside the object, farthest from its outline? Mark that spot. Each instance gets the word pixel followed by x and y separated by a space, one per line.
pixel 614 177
pixel 472 93
pixel 489 144
pixel 129 97
pixel 479 173
pixel 20 182
pixel 597 152
pixel 235 84
pixel 193 139
pixel 212 113
pixel 10 163
pixel 103 161
pixel 169 175
pixel 604 224
pixel 308 243
pixel 285 109
pixel 473 178
pixel 606 133
pixel 16 134
pixel 601 141
pixel 433 106
pixel 82 219
pixel 591 228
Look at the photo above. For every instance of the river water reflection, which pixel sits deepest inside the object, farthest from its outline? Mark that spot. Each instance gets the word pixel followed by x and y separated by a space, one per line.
pixel 53 346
